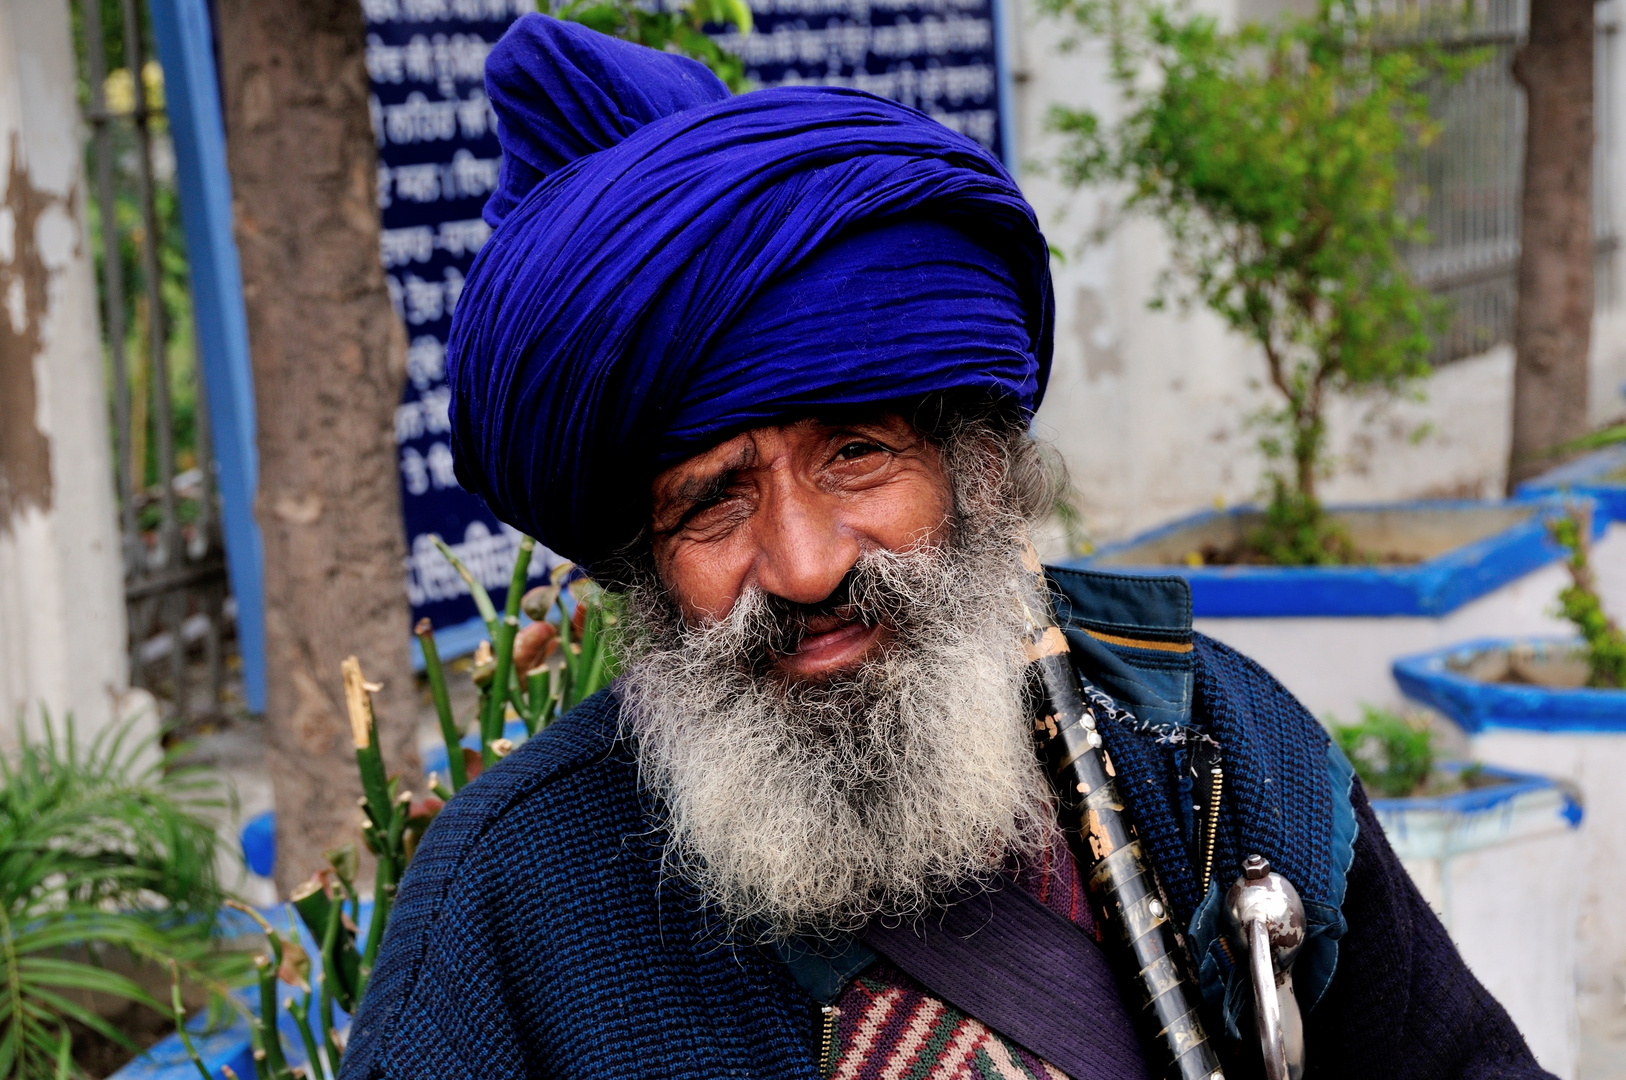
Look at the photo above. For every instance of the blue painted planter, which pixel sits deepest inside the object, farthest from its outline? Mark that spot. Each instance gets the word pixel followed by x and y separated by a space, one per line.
pixel 1465 550
pixel 1444 679
pixel 1502 866
pixel 1587 476
pixel 1440 826
pixel 230 1046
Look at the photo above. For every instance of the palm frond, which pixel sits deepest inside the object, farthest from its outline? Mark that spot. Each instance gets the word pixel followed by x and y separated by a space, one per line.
pixel 104 849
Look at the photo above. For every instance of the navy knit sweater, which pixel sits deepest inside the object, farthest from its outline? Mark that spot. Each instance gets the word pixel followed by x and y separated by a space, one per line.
pixel 536 936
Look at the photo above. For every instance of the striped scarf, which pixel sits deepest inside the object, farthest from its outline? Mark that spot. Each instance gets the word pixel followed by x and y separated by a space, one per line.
pixel 889 1027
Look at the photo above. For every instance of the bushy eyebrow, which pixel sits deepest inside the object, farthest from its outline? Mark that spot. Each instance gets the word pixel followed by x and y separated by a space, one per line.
pixel 707 486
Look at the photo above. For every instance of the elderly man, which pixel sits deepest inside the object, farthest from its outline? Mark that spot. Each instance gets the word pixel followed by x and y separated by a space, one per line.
pixel 765 365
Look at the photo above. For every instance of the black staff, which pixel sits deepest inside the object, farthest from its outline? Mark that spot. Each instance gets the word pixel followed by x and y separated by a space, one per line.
pixel 1137 931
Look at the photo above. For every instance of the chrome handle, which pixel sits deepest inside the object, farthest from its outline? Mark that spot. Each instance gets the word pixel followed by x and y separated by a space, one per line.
pixel 1267 1004
pixel 1267 926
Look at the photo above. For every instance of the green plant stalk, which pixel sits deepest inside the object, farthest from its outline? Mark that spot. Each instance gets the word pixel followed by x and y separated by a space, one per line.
pixel 323 917
pixel 270 1041
pixel 179 1012
pixel 353 896
pixel 300 1011
pixel 386 882
pixel 595 672
pixel 482 599
pixel 268 1058
pixel 536 688
pixel 374 784
pixel 496 704
pixel 521 574
pixel 505 681
pixel 330 938
pixel 443 704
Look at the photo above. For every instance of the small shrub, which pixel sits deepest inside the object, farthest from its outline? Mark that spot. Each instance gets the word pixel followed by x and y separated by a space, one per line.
pixel 1271 156
pixel 1392 754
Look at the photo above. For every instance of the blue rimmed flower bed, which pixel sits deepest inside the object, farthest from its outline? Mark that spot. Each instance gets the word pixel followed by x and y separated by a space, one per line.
pixel 1446 553
pixel 1524 704
pixel 1600 475
pixel 1501 805
pixel 1501 862
pixel 229 1045
pixel 1496 683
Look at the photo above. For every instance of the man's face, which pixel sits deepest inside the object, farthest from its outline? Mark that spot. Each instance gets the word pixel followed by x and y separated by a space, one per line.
pixel 789 510
pixel 824 674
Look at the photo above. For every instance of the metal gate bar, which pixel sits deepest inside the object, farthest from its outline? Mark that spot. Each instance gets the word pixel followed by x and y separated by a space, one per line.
pixel 175 580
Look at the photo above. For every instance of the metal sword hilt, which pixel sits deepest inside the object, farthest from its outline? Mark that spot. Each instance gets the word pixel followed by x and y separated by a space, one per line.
pixel 1267 925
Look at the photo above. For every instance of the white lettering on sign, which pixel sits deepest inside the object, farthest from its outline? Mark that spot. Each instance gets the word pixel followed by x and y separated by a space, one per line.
pixel 418 243
pixel 442 59
pixel 426 361
pixel 419 301
pixel 489 556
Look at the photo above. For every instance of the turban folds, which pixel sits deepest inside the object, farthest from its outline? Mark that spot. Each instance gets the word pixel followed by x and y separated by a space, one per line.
pixel 670 265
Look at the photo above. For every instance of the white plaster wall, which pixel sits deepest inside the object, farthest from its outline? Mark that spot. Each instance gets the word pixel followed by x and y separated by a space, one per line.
pixel 1148 407
pixel 62 630
pixel 1594 763
pixel 1511 911
pixel 1334 666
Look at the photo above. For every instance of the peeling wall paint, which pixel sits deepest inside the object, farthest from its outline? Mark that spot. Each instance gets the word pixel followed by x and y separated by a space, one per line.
pixel 25 450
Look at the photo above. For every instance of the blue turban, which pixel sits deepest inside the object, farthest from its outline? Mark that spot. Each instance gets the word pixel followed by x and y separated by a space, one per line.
pixel 670 266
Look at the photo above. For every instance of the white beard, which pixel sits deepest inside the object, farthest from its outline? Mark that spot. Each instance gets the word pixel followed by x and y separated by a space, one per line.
pixel 810 807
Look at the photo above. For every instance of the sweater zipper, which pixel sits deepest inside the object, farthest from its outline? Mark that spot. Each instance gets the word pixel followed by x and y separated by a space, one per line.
pixel 827 1042
pixel 1208 784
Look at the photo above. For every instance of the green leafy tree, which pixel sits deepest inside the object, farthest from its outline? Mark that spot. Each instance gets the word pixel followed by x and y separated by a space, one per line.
pixel 676 27
pixel 103 851
pixel 1271 155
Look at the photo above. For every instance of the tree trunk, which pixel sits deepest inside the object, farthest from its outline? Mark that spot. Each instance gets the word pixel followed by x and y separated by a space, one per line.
pixel 1552 328
pixel 329 357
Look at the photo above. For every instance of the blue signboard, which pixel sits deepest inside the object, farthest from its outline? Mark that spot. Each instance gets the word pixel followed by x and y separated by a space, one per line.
pixel 439 160
pixel 938 56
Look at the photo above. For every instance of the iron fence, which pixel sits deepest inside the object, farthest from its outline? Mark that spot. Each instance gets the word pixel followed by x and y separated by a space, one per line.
pixel 179 608
pixel 1469 180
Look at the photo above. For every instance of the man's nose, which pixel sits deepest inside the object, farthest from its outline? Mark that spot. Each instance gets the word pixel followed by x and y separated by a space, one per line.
pixel 803 552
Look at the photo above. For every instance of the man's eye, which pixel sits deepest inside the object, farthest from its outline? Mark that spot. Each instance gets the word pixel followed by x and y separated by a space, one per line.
pixel 855 450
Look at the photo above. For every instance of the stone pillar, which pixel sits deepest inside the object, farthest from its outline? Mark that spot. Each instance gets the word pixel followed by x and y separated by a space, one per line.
pixel 62 622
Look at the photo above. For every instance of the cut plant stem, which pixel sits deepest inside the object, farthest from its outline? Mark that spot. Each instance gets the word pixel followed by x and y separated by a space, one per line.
pixel 180 1021
pixel 300 1011
pixel 482 599
pixel 358 699
pixel 491 726
pixel 443 703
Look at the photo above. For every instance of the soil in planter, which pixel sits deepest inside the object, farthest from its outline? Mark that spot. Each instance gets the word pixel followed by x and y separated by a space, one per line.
pixel 1441 782
pixel 1247 553
pixel 1554 668
pixel 100 1056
